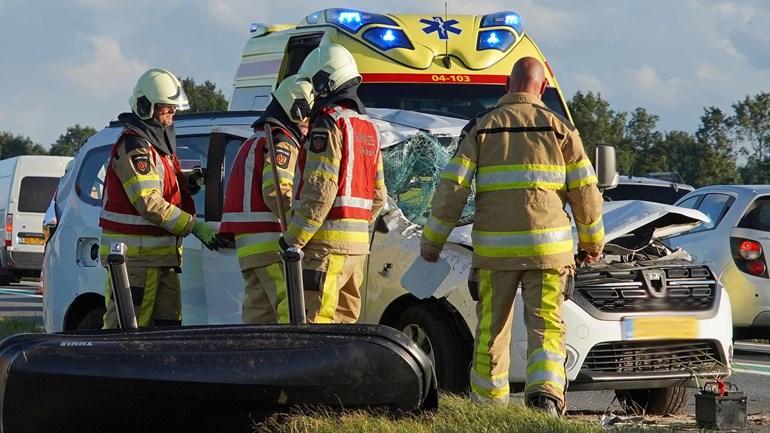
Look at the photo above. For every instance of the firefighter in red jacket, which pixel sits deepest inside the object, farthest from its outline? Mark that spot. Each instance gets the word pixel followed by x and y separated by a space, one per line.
pixel 250 211
pixel 147 203
pixel 342 188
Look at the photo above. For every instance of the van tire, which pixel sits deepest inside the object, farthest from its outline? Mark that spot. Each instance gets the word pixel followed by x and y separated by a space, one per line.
pixel 93 319
pixel 433 330
pixel 654 401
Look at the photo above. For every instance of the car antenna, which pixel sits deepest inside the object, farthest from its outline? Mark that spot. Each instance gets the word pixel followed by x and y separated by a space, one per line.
pixel 447 60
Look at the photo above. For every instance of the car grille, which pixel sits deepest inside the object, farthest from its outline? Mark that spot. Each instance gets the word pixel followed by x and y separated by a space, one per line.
pixel 636 290
pixel 652 357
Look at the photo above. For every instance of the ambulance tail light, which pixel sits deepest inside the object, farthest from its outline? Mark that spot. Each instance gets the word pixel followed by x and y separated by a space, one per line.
pixel 8 230
pixel 495 40
pixel 352 20
pixel 386 39
pixel 507 19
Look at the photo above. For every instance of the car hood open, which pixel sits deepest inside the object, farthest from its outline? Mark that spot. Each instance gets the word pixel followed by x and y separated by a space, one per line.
pixel 626 217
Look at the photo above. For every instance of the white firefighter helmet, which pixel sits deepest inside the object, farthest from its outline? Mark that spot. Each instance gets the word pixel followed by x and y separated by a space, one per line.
pixel 157 86
pixel 295 97
pixel 327 68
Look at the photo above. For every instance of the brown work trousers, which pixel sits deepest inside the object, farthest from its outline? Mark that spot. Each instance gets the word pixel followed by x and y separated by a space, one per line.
pixel 333 286
pixel 265 300
pixel 156 296
pixel 543 294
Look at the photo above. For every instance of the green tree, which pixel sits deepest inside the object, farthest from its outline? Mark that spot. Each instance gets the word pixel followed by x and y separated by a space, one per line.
pixel 598 124
pixel 716 156
pixel 645 141
pixel 679 153
pixel 69 142
pixel 14 145
pixel 204 97
pixel 752 129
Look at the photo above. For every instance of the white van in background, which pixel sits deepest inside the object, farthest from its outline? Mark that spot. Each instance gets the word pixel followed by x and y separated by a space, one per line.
pixel 27 184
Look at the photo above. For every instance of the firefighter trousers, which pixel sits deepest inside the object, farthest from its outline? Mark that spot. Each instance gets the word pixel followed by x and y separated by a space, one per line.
pixel 333 286
pixel 543 295
pixel 265 300
pixel 156 296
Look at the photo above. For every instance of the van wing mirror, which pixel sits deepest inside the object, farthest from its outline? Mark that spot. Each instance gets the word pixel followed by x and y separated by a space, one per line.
pixel 604 161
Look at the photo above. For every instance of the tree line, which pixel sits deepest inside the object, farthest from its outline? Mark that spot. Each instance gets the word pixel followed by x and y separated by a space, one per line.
pixel 202 97
pixel 727 148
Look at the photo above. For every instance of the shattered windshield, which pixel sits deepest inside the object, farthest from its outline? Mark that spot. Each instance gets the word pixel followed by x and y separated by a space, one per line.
pixel 412 170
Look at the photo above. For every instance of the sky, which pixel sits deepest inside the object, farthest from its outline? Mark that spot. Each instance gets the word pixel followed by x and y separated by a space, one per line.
pixel 76 61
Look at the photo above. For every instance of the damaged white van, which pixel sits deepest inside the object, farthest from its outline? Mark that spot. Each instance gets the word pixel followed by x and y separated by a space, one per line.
pixel 645 322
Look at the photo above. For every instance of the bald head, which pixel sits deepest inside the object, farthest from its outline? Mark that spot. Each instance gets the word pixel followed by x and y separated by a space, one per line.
pixel 527 76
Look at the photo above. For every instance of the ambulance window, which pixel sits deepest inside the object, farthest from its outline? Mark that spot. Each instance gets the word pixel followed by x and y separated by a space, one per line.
pixel 251 98
pixel 90 181
pixel 297 49
pixel 455 100
pixel 553 102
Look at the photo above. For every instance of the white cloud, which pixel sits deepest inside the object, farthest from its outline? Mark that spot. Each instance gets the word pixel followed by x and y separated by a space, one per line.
pixel 107 72
pixel 735 11
pixel 707 72
pixel 651 86
pixel 590 83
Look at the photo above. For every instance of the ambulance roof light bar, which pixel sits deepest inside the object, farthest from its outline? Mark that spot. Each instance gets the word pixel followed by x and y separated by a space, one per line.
pixel 507 19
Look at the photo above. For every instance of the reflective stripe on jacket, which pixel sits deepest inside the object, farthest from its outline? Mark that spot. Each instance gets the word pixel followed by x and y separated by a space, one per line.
pixel 527 163
pixel 342 185
pixel 145 205
pixel 249 209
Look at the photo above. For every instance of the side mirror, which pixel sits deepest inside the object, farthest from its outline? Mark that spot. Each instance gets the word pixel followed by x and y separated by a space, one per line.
pixel 604 162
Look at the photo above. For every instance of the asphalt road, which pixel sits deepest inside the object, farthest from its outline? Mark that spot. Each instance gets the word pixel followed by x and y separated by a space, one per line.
pixel 21 300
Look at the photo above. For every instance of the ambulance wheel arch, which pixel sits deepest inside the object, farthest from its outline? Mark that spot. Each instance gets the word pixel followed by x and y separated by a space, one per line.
pixel 439 330
pixel 85 312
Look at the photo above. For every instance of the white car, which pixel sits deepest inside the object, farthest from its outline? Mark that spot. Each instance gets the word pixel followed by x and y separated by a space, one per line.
pixel 734 244
pixel 645 323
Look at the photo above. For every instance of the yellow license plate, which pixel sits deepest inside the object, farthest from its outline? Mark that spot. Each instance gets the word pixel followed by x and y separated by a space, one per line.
pixel 32 241
pixel 657 327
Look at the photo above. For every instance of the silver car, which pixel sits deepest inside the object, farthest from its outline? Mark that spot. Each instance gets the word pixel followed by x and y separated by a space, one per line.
pixel 734 245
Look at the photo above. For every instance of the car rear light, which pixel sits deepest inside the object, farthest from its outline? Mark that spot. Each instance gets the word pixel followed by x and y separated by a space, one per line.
pixel 749 256
pixel 750 250
pixel 8 229
pixel 756 267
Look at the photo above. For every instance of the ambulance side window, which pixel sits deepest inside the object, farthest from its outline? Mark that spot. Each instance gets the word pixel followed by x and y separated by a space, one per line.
pixel 297 49
pixel 90 181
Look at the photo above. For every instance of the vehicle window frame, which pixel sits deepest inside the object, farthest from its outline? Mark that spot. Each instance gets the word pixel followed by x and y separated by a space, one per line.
pixel 742 223
pixel 82 195
pixel 698 198
pixel 727 205
pixel 25 196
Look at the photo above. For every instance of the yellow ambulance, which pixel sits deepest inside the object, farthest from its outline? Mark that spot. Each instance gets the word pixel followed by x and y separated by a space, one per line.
pixel 448 65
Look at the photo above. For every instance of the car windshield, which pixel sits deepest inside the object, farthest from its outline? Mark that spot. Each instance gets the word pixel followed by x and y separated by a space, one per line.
pixel 412 170
pixel 457 100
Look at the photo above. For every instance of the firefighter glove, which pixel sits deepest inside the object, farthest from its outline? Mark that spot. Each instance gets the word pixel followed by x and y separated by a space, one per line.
pixel 208 235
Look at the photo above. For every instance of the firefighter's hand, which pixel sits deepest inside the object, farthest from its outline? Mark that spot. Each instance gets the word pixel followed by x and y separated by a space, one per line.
pixel 195 179
pixel 208 235
pixel 429 254
pixel 589 256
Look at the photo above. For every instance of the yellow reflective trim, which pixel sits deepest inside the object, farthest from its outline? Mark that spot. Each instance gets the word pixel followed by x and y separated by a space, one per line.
pixel 495 393
pixel 452 177
pixel 275 272
pixel 141 178
pixel 524 251
pixel 481 364
pixel 524 232
pixel 521 167
pixel 578 165
pixel 552 366
pixel 593 238
pixel 142 193
pixel 152 277
pixel 315 157
pixel 329 292
pixel 590 180
pixel 341 236
pixel 551 290
pixel 181 222
pixel 323 174
pixel 519 185
pixel 434 237
pixel 260 248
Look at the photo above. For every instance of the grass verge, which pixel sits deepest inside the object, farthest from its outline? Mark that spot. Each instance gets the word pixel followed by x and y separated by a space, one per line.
pixel 455 414
pixel 18 325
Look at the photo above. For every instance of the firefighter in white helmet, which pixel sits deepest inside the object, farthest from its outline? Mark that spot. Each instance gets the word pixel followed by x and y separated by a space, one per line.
pixel 147 203
pixel 250 206
pixel 342 188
